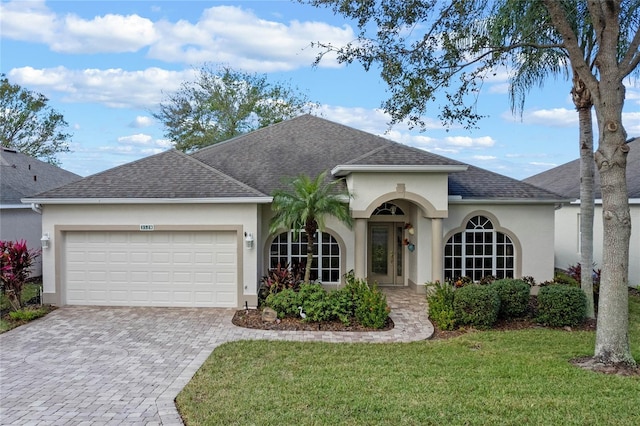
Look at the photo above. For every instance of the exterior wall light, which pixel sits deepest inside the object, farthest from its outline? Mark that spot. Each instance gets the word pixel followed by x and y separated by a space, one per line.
pixel 248 239
pixel 44 241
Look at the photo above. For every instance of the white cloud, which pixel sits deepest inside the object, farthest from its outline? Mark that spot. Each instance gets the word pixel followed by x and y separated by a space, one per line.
pixel 120 149
pixel 109 33
pixel 114 87
pixel 555 117
pixel 138 139
pixel 631 122
pixel 34 21
pixel 223 34
pixel 542 164
pixel 469 142
pixel 484 157
pixel 142 121
pixel 27 21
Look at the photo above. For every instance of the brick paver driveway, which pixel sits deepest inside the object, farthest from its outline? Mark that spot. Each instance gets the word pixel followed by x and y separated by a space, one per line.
pixel 87 365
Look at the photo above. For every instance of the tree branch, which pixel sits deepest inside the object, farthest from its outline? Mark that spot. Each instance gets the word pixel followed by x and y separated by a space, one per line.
pixel 578 62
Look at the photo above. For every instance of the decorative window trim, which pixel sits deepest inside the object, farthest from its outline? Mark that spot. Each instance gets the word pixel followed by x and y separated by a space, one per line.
pixel 296 250
pixel 449 268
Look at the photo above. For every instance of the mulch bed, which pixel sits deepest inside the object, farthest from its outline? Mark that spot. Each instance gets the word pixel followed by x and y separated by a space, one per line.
pixel 252 318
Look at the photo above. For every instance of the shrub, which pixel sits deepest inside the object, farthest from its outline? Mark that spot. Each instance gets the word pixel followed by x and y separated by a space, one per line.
pixel 372 309
pixel 27 314
pixel 341 303
pixel 284 302
pixel 282 277
pixel 561 277
pixel 315 302
pixel 369 303
pixel 440 301
pixel 462 281
pixel 561 305
pixel 514 297
pixel 476 305
pixel 15 261
pixel 487 279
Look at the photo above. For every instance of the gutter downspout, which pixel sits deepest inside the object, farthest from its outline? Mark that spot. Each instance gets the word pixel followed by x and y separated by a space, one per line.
pixel 36 208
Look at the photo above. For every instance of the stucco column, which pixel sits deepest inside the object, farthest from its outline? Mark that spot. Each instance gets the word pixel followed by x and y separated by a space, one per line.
pixel 360 248
pixel 436 249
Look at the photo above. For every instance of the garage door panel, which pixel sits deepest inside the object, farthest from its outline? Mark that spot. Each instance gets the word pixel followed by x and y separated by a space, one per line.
pixel 151 268
pixel 97 238
pixel 182 258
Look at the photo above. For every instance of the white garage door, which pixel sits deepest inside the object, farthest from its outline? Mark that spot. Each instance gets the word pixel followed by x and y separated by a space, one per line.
pixel 151 268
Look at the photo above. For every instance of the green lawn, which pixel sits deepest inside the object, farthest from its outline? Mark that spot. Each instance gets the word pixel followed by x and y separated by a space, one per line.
pixel 506 378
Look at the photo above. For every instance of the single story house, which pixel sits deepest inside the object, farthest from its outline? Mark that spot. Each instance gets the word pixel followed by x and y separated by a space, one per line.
pixel 23 176
pixel 193 230
pixel 565 180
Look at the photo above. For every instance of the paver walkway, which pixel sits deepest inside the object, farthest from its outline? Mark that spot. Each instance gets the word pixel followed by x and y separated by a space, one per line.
pixel 113 366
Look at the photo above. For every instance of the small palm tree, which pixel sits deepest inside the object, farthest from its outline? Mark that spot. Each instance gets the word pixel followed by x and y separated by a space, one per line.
pixel 306 206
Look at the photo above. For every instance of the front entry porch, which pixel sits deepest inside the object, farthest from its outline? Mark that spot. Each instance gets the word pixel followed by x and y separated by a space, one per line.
pixel 399 244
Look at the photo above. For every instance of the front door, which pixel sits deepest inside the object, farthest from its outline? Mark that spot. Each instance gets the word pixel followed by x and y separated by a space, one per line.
pixel 385 254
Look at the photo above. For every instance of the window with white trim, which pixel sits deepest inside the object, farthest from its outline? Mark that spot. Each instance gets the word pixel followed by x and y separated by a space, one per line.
pixel 325 266
pixel 479 251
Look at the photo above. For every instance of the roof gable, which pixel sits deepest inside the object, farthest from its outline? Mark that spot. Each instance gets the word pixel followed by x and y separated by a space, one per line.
pixel 565 179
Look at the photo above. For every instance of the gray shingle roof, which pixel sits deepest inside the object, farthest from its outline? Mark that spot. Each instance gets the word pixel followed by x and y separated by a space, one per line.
pixel 565 179
pixel 170 174
pixel 257 163
pixel 22 176
pixel 477 183
pixel 306 144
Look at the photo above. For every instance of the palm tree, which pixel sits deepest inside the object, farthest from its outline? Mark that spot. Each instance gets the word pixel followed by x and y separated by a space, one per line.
pixel 306 206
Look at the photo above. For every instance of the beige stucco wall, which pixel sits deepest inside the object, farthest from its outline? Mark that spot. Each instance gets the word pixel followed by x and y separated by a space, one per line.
pixel 531 227
pixel 241 217
pixel 372 189
pixel 568 245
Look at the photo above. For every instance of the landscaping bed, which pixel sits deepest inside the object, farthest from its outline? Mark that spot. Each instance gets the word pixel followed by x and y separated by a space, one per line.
pixel 252 318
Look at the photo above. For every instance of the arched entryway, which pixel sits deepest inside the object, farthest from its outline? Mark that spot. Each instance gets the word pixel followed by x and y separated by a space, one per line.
pixel 386 245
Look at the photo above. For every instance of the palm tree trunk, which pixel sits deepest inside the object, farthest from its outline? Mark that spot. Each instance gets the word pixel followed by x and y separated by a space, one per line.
pixel 310 229
pixel 583 102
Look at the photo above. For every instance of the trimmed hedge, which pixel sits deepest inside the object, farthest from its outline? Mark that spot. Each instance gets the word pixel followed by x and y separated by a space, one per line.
pixel 285 302
pixel 476 305
pixel 440 302
pixel 514 297
pixel 561 305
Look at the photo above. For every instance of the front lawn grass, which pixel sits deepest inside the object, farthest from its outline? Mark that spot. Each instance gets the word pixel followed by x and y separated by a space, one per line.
pixel 492 377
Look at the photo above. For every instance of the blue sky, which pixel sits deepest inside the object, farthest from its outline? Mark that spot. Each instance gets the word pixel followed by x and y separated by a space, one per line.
pixel 106 64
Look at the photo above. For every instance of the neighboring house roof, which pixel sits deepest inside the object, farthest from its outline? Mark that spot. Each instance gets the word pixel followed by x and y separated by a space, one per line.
pixel 257 163
pixel 565 179
pixel 23 176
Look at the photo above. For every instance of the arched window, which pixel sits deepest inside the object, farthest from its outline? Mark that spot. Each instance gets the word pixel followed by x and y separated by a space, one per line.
pixel 325 267
pixel 479 251
pixel 387 209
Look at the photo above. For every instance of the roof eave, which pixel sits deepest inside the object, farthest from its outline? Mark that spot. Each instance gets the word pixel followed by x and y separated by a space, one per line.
pixel 218 200
pixel 598 201
pixel 342 170
pixel 15 206
pixel 456 199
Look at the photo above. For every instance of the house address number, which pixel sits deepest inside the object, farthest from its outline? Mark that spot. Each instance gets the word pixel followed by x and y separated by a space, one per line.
pixel 147 227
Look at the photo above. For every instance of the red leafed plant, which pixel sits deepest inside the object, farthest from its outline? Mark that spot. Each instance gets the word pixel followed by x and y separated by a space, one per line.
pixel 15 261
